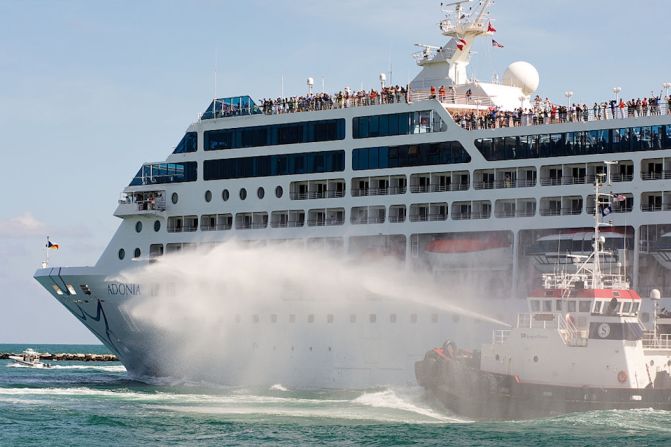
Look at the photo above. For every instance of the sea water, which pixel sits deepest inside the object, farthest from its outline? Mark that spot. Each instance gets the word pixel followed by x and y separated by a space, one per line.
pixel 84 404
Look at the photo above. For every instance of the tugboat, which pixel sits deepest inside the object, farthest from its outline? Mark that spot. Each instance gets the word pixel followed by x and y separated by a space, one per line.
pixel 581 346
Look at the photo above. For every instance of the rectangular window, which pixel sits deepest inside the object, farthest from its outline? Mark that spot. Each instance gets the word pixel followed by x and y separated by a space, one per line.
pixel 571 306
pixel 547 306
pixel 450 152
pixel 583 306
pixel 259 136
pixel 274 165
pixel 396 124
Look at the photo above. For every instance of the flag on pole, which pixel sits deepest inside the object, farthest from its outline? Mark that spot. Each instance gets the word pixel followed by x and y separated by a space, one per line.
pixel 606 210
pixel 619 197
pixel 495 44
pixel 461 44
pixel 490 28
pixel 52 246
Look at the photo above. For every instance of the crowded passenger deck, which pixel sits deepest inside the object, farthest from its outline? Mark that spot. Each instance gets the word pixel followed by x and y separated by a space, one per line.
pixel 468 111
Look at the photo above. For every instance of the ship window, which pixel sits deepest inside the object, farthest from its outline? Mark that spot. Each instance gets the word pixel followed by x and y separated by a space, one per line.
pixel 535 306
pixel 352 318
pixel 208 196
pixel 71 289
pixel 627 308
pixel 157 225
pixel 372 318
pixel 243 193
pixel 597 307
pixel 155 250
pixel 188 144
pixel 413 318
pixel 558 305
pixel 260 193
pixel 571 306
pixel 274 165
pixel 634 307
pixel 329 318
pixel 138 226
pixel 137 253
pixel 259 136
pixel 57 289
pixel 175 198
pixel 225 195
pixel 447 152
pixel 122 254
pixel 547 306
pixel 583 306
pixel 278 192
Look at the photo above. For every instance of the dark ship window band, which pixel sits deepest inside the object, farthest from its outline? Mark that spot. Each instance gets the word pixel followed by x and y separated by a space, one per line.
pixel 275 165
pixel 447 152
pixel 606 141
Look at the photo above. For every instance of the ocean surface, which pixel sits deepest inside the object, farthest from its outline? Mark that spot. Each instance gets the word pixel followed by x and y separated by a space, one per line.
pixel 84 404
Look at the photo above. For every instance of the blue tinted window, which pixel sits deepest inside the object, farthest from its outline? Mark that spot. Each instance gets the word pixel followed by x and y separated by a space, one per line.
pixel 396 124
pixel 188 144
pixel 259 136
pixel 602 141
pixel 271 165
pixel 161 173
pixel 450 152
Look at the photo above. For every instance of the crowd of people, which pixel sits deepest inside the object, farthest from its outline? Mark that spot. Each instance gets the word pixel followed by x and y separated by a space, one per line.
pixel 342 99
pixel 546 112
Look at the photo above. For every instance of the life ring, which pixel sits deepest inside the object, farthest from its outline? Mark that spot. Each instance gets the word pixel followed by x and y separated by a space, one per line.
pixel 622 377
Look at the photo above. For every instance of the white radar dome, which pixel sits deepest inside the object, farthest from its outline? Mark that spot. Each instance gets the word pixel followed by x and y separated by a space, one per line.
pixel 522 75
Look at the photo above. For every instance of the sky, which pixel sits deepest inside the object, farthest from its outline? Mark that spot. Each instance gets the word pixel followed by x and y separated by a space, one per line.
pixel 91 90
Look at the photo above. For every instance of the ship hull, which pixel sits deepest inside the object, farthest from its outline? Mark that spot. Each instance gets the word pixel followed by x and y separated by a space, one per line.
pixel 458 384
pixel 374 342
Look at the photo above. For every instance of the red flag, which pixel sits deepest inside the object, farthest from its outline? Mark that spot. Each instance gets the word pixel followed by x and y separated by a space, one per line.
pixel 463 41
pixel 460 46
pixel 495 44
pixel 490 28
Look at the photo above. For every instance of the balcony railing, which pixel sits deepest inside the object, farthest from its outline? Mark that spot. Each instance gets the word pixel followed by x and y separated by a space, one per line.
pixel 664 175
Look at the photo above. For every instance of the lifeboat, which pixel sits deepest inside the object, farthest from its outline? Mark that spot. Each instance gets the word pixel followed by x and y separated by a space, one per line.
pixel 487 252
pixel 565 250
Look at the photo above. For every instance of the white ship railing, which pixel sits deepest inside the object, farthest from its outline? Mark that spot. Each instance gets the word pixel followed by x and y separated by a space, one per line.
pixel 571 335
pixel 659 341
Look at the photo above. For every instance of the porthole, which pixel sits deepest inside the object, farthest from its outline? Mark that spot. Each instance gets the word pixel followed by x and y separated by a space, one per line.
pixel 175 198
pixel 243 193
pixel 225 195
pixel 535 359
pixel 137 253
pixel 260 193
pixel 138 226
pixel 497 357
pixel 279 192
pixel 208 196
pixel 157 225
pixel 122 254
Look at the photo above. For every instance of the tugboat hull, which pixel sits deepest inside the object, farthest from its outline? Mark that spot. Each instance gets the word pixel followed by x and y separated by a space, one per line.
pixel 455 380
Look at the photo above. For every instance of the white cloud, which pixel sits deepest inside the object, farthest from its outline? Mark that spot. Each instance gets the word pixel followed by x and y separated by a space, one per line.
pixel 24 225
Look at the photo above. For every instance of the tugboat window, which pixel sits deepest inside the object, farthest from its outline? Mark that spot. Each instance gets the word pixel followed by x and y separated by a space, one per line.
pixel 583 306
pixel 547 306
pixel 571 306
pixel 535 306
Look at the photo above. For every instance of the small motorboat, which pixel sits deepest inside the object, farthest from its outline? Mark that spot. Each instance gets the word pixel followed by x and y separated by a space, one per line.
pixel 29 358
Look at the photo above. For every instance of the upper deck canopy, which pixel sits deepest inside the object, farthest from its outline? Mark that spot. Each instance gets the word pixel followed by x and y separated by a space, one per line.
pixel 233 106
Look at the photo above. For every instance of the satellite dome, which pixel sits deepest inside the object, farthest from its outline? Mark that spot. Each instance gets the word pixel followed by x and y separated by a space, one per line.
pixel 522 75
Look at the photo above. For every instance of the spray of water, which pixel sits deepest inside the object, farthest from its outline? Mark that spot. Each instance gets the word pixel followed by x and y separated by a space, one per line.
pixel 207 310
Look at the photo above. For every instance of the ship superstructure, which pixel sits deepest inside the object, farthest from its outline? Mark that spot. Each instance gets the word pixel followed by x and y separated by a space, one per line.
pixel 441 175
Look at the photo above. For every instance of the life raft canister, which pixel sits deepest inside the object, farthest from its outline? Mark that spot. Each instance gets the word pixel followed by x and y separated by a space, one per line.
pixel 622 377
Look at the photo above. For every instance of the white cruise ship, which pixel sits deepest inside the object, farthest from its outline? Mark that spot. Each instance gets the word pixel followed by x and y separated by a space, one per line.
pixel 472 182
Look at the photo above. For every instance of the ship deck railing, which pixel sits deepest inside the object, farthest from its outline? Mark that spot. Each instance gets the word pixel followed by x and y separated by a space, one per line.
pixel 656 341
pixel 570 334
